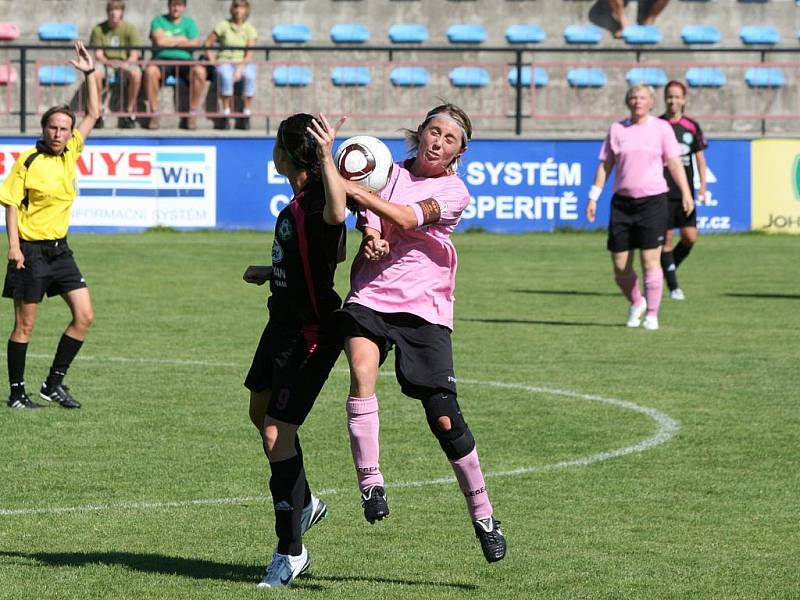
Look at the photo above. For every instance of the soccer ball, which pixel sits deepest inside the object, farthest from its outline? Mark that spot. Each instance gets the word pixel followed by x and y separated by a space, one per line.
pixel 365 160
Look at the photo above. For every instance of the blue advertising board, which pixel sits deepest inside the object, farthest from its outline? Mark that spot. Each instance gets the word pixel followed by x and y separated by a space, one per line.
pixel 515 185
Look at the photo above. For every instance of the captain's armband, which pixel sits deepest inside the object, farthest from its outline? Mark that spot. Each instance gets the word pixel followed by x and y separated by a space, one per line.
pixel 430 210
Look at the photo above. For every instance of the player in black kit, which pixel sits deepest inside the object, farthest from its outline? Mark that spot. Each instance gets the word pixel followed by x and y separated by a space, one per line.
pixel 300 343
pixel 693 143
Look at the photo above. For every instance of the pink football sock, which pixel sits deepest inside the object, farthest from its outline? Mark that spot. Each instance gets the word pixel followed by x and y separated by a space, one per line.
pixel 470 480
pixel 363 426
pixel 653 288
pixel 629 284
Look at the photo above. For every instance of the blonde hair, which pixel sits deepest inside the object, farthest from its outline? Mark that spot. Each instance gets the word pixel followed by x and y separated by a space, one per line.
pixel 640 86
pixel 456 114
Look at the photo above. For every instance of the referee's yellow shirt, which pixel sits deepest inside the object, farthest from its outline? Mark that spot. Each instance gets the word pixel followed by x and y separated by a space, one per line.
pixel 50 186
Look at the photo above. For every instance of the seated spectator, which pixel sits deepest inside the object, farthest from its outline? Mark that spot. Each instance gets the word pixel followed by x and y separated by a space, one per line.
pixel 647 14
pixel 115 61
pixel 173 34
pixel 234 65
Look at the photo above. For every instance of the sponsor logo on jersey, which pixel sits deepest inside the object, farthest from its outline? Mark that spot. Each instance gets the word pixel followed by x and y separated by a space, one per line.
pixel 277 251
pixel 285 230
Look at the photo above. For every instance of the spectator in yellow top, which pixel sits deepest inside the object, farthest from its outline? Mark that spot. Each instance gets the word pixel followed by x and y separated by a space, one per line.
pixel 38 195
pixel 235 65
pixel 112 62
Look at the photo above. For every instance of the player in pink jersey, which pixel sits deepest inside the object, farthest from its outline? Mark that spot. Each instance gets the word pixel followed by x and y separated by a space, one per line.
pixel 402 297
pixel 639 147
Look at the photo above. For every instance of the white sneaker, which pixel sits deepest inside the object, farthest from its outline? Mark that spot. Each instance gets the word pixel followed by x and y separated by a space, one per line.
pixel 313 513
pixel 284 569
pixel 635 314
pixel 677 294
pixel 650 322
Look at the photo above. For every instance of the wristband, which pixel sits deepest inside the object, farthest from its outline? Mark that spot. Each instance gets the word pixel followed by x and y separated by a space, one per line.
pixel 90 71
pixel 594 193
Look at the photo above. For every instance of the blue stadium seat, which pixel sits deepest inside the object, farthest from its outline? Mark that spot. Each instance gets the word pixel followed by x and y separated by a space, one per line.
pixel 469 77
pixel 466 34
pixel 410 76
pixel 641 34
pixel 583 34
pixel 350 76
pixel 57 75
pixel 765 77
pixel 649 75
pixel 759 34
pixel 705 77
pixel 58 32
pixel 408 33
pixel 525 34
pixel 700 34
pixel 349 33
pixel 292 76
pixel 538 76
pixel 582 77
pixel 286 33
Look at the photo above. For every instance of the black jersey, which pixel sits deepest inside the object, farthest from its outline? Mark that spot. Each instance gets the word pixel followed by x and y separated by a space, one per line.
pixel 305 252
pixel 691 140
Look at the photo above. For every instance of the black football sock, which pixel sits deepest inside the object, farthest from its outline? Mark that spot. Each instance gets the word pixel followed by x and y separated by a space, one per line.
pixel 287 484
pixel 16 353
pixel 668 266
pixel 680 252
pixel 68 348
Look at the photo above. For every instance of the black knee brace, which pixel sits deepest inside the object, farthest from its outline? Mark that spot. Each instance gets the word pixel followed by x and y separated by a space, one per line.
pixel 456 442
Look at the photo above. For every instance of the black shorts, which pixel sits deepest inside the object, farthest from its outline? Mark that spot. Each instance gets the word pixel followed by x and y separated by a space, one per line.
pixel 423 358
pixel 49 269
pixel 293 363
pixel 637 222
pixel 677 218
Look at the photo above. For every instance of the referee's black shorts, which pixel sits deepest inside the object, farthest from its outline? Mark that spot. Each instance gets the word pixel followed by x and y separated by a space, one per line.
pixel 49 269
pixel 677 218
pixel 293 363
pixel 637 222
pixel 423 358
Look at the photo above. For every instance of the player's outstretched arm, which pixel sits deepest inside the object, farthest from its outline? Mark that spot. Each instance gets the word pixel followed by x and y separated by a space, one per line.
pixel 335 209
pixel 85 64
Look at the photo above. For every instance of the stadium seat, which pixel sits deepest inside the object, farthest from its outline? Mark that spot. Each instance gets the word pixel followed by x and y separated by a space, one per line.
pixel 469 77
pixel 350 76
pixel 583 34
pixel 641 34
pixel 349 33
pixel 58 32
pixel 700 34
pixel 649 75
pixel 466 34
pixel 538 76
pixel 408 33
pixel 764 77
pixel 56 75
pixel 291 76
pixel 7 74
pixel 286 33
pixel 705 77
pixel 8 32
pixel 410 76
pixel 758 34
pixel 525 34
pixel 583 77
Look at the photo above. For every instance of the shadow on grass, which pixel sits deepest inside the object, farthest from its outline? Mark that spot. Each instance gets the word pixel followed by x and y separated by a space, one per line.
pixel 764 296
pixel 196 568
pixel 566 293
pixel 540 322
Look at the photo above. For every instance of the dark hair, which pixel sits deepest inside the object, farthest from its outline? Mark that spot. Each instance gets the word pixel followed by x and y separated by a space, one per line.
pixel 675 83
pixel 64 109
pixel 298 143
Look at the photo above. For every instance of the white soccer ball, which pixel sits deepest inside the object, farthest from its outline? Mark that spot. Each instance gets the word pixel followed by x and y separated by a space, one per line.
pixel 365 160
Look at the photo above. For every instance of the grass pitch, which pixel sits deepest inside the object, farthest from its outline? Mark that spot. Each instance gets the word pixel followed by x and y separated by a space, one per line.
pixel 157 487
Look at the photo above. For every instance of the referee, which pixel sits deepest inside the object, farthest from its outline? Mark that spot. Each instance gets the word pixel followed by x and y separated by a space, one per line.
pixel 38 195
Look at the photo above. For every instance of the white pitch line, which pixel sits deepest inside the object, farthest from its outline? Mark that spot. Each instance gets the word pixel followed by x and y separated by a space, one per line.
pixel 667 428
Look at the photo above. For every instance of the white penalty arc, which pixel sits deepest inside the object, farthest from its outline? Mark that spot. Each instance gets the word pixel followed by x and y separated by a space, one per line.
pixel 666 428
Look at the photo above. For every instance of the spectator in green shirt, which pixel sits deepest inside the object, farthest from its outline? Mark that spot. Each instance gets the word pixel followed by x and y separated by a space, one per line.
pixel 173 36
pixel 115 60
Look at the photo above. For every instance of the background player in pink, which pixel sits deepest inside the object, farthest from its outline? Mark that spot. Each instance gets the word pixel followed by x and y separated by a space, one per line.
pixel 402 297
pixel 692 143
pixel 639 147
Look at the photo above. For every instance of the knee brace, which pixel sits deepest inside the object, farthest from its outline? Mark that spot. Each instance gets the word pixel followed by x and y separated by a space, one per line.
pixel 457 441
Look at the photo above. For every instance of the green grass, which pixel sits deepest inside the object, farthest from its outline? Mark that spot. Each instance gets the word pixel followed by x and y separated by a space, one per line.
pixel 711 513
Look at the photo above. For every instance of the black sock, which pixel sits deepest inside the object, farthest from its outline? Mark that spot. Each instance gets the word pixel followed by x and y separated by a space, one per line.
pixel 668 266
pixel 15 353
pixel 299 449
pixel 288 484
pixel 68 347
pixel 680 252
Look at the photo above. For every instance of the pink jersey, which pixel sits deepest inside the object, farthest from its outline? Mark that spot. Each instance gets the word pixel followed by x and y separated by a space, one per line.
pixel 639 153
pixel 419 274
